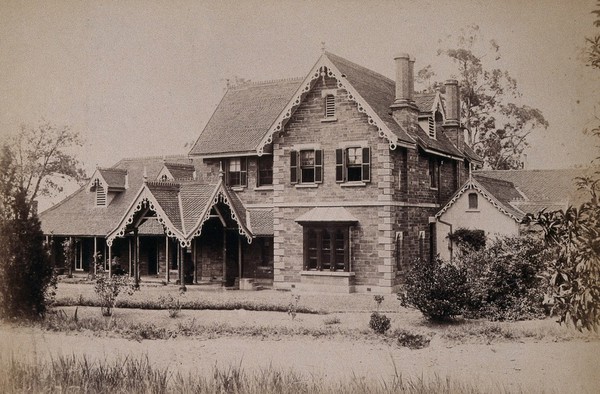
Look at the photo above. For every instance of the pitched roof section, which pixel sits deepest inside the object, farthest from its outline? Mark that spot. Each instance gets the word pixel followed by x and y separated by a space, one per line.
pixel 425 101
pixel 327 214
pixel 377 90
pixel 545 186
pixel 503 189
pixel 243 117
pixel 77 215
pixel 167 196
pixel 439 145
pixel 519 192
pixel 115 178
pixel 180 171
pixel 261 221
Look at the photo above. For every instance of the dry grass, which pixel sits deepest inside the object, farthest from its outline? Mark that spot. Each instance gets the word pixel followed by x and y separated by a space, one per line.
pixel 70 374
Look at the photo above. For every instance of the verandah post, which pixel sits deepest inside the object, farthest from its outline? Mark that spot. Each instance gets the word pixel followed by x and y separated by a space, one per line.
pixel 94 255
pixel 182 269
pixel 167 266
pixel 136 262
pixel 109 261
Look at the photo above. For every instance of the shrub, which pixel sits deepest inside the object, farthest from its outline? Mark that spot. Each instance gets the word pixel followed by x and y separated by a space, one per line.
pixel 332 320
pixel 437 289
pixel 379 323
pixel 170 303
pixel 468 239
pixel 108 289
pixel 27 279
pixel 507 279
pixel 293 306
pixel 412 340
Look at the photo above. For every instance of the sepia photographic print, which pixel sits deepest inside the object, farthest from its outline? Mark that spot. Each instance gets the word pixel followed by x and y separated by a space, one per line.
pixel 335 196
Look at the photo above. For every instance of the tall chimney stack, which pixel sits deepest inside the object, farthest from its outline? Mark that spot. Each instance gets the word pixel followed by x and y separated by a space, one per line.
pixel 404 83
pixel 404 109
pixel 452 126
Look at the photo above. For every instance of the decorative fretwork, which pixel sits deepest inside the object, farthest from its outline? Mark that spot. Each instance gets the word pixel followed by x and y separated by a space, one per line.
pixel 322 69
pixel 146 201
pixel 221 196
pixel 474 186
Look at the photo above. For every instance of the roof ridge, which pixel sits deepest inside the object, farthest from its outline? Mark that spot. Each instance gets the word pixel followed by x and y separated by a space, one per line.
pixel 180 156
pixel 264 82
pixel 368 70
pixel 112 169
pixel 181 165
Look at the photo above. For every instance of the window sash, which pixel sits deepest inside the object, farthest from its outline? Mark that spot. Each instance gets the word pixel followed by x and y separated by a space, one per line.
pixel 473 201
pixel 237 172
pixel 265 171
pixel 327 248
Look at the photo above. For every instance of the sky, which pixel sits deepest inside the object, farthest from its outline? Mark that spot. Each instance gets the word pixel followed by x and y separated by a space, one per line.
pixel 141 78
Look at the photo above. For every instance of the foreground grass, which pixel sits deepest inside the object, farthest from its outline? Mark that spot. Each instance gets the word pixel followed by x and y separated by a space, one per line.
pixel 70 374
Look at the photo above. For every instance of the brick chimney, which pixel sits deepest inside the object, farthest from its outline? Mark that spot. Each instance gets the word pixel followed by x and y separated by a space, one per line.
pixel 452 126
pixel 403 108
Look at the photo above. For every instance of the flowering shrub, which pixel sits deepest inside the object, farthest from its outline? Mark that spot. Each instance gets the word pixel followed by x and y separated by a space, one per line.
pixel 379 323
pixel 293 306
pixel 108 289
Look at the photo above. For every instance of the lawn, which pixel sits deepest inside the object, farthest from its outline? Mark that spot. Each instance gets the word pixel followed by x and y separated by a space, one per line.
pixel 253 336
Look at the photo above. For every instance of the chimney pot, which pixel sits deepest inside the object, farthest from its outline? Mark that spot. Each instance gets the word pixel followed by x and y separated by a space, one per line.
pixel 404 80
pixel 452 102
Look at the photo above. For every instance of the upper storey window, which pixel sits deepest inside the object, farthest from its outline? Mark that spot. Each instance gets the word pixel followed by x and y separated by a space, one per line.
pixel 265 171
pixel 434 173
pixel 237 172
pixel 473 201
pixel 353 164
pixel 306 166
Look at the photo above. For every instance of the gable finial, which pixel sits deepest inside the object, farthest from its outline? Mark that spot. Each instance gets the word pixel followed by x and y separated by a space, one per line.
pixel 322 46
pixel 145 174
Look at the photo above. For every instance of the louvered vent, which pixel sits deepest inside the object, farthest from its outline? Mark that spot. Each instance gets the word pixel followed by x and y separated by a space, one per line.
pixel 100 195
pixel 329 106
pixel 431 127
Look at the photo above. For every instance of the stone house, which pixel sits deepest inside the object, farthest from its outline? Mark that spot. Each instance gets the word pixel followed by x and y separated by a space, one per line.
pixel 328 182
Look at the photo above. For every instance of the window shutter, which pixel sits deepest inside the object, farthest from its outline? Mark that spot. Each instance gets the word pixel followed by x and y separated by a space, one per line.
pixel 244 171
pixel 366 164
pixel 318 165
pixel 339 165
pixel 294 166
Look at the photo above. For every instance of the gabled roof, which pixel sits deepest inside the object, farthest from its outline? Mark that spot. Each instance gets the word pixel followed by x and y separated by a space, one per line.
pixel 545 186
pixel 497 192
pixel 182 208
pixel 243 116
pixel 77 215
pixel 519 192
pixel 378 91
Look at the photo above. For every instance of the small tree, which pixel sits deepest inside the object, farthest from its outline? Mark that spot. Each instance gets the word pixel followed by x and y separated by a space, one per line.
pixel 26 275
pixel 108 290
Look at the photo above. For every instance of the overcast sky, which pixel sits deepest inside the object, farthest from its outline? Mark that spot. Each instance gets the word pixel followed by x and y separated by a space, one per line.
pixel 141 78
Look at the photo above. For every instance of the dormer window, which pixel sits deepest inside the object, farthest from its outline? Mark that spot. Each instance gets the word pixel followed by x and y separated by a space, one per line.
pixel 100 194
pixel 164 178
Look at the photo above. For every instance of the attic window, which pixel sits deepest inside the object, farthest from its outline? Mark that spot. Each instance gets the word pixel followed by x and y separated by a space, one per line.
pixel 100 194
pixel 329 106
pixel 164 178
pixel 473 201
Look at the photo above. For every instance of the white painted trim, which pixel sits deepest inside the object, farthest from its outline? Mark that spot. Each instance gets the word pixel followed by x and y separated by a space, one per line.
pixel 325 67
pixel 342 204
pixel 229 155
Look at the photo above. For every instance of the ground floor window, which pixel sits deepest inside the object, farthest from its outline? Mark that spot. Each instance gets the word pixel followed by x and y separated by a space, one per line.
pixel 327 248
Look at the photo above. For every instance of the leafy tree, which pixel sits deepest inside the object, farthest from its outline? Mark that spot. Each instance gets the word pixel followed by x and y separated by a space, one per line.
pixel 497 123
pixel 26 275
pixel 593 43
pixel 43 154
